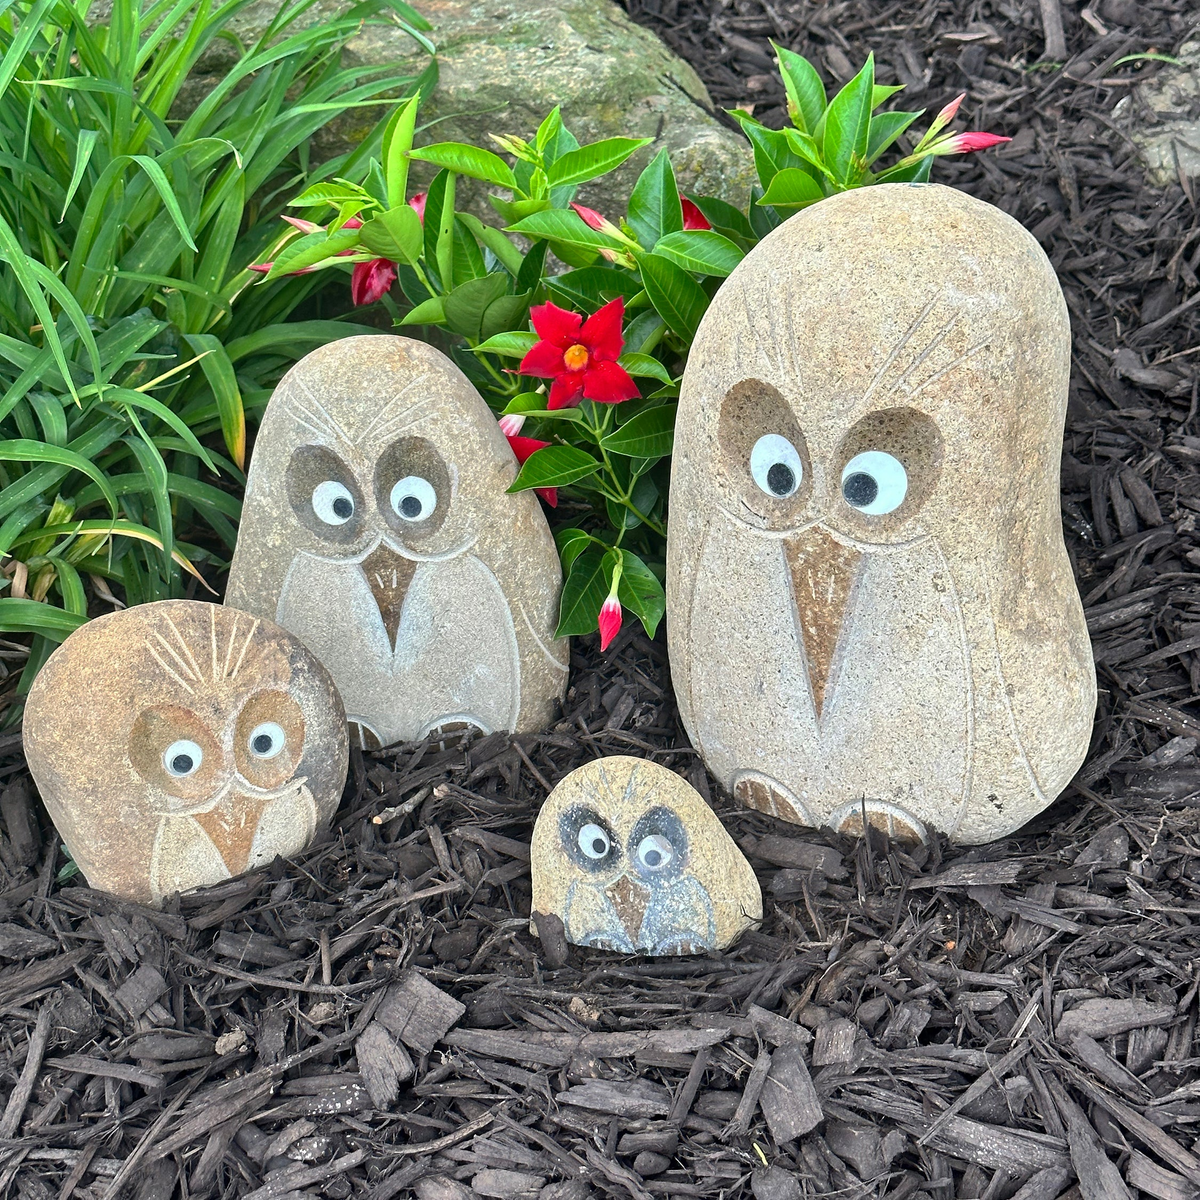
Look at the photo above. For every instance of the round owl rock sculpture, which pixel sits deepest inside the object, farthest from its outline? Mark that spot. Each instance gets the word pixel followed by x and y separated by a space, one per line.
pixel 630 858
pixel 377 529
pixel 871 607
pixel 177 744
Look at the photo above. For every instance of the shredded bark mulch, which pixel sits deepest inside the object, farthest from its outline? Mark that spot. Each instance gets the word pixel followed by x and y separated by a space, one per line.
pixel 375 1019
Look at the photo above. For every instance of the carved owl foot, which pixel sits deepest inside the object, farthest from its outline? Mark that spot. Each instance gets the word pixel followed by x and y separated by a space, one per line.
pixel 764 794
pixel 889 819
pixel 452 732
pixel 680 944
pixel 364 737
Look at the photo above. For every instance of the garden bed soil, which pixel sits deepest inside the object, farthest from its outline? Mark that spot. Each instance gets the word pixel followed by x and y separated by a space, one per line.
pixel 375 1019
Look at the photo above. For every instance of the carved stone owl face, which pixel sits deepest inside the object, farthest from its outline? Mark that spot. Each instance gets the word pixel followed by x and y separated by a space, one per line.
pixel 630 857
pixel 179 743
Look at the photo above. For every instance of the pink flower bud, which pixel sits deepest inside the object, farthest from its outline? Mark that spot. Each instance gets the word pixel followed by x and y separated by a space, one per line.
pixel 370 281
pixel 417 204
pixel 947 114
pixel 965 143
pixel 511 423
pixel 590 216
pixel 609 621
pixel 352 223
pixel 304 226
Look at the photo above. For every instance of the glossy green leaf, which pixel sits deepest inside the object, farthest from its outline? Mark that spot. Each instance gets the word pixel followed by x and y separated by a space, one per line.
pixel 472 161
pixel 648 435
pixel 555 466
pixel 805 91
pixel 654 207
pixel 566 226
pixel 583 593
pixel 397 141
pixel 509 345
pixel 793 189
pixel 466 305
pixel 676 296
pixel 847 125
pixel 396 234
pixel 640 591
pixel 701 251
pixel 571 544
pixel 594 160
pixel 645 366
pixel 429 312
pixel 885 129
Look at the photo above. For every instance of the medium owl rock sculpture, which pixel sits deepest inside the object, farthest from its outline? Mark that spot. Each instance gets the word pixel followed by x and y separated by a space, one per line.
pixel 871 609
pixel 377 529
pixel 630 858
pixel 179 743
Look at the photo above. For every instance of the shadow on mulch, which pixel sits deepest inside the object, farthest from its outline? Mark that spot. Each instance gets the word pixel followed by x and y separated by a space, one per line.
pixel 375 1019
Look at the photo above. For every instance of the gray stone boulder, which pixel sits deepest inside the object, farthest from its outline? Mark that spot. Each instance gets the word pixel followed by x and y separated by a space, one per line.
pixel 1162 119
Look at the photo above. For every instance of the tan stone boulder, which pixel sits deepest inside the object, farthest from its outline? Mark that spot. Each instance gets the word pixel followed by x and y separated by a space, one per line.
pixel 870 604
pixel 177 744
pixel 376 528
pixel 630 858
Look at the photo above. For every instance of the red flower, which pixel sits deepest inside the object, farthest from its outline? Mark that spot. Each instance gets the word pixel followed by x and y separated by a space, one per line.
pixel 523 448
pixel 417 203
pixel 693 218
pixel 371 280
pixel 609 620
pixel 580 356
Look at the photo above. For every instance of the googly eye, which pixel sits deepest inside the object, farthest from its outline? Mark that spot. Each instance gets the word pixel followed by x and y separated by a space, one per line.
pixel 267 740
pixel 874 482
pixel 655 852
pixel 593 841
pixel 775 465
pixel 332 502
pixel 182 758
pixel 413 498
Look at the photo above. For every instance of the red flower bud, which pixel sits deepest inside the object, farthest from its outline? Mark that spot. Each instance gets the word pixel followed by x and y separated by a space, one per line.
pixel 609 621
pixel 693 218
pixel 371 280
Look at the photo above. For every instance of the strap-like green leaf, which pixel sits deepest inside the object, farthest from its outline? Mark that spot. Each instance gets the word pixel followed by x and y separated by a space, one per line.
pixel 29 616
pixel 26 450
pixel 218 370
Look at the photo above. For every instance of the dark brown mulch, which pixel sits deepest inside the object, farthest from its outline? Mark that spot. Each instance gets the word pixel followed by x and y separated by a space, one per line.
pixel 1016 1019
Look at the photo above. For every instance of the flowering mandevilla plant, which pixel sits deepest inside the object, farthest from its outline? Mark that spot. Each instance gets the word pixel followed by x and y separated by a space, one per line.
pixel 582 366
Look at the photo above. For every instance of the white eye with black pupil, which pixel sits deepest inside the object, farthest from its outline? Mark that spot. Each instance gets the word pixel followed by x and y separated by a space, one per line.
pixel 182 758
pixel 874 482
pixel 267 740
pixel 655 852
pixel 593 841
pixel 413 498
pixel 775 466
pixel 332 502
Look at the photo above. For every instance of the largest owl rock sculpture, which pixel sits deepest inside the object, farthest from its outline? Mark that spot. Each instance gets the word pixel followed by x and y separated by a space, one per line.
pixel 872 612
pixel 179 743
pixel 377 529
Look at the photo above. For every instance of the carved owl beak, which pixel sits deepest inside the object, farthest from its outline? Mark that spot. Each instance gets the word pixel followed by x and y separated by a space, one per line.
pixel 823 571
pixel 629 899
pixel 388 576
pixel 231 826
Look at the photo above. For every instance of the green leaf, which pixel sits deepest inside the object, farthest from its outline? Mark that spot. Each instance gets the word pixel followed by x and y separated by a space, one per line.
pixel 509 345
pixel 218 370
pixel 467 160
pixel 555 466
pixel 640 591
pixel 701 251
pixel 85 144
pixel 591 287
pixel 466 305
pixel 654 207
pixel 847 126
pixel 311 249
pixel 505 314
pixel 396 234
pixel 429 312
pixel 566 226
pixel 648 435
pixel 793 189
pixel 885 129
pixel 583 592
pixel 884 91
pixel 723 217
pixel 509 257
pixel 772 152
pixel 27 450
pixel 29 616
pixel 571 544
pixel 645 366
pixel 397 141
pixel 589 162
pixel 528 402
pixel 805 91
pixel 676 296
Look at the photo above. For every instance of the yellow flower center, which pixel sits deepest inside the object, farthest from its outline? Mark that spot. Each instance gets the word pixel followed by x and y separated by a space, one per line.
pixel 575 357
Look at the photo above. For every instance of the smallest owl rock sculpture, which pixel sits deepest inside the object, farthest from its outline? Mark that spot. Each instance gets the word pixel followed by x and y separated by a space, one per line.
pixel 630 858
pixel 177 744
